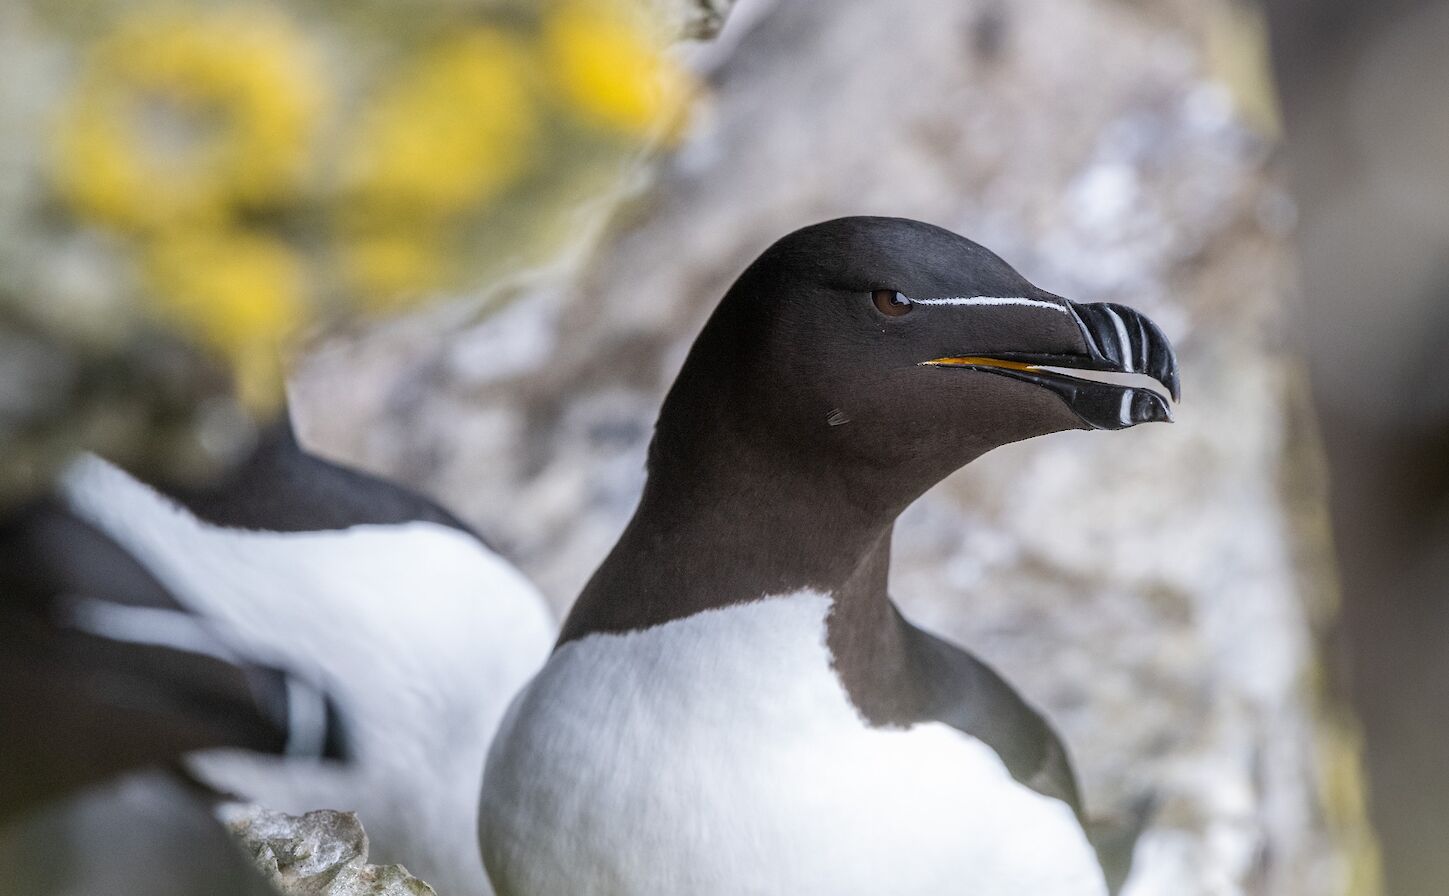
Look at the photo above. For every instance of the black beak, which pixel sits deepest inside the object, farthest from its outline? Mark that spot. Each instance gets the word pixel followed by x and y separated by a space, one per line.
pixel 1123 340
pixel 1118 339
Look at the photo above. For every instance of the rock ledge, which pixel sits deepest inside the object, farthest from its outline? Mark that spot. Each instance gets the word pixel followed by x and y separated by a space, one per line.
pixel 321 853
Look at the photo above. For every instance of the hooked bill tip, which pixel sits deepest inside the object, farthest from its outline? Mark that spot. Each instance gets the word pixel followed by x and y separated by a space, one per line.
pixel 1150 407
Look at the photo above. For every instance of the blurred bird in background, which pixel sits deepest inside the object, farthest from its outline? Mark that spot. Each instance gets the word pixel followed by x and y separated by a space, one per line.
pixel 214 183
pixel 106 671
pixel 422 633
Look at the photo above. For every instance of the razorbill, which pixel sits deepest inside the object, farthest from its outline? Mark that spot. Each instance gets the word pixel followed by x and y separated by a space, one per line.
pixel 735 704
pixel 104 671
pixel 106 682
pixel 416 628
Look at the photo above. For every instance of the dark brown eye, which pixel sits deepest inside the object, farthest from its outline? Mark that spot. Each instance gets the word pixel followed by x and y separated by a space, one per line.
pixel 891 303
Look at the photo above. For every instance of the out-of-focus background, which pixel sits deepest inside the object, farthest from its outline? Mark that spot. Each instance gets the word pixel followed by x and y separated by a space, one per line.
pixel 1235 616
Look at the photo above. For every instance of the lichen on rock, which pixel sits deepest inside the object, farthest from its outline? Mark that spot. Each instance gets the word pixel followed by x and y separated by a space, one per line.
pixel 693 19
pixel 322 853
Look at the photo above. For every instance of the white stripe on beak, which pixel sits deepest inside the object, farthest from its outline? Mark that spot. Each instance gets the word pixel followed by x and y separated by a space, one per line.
pixel 993 300
pixel 1122 340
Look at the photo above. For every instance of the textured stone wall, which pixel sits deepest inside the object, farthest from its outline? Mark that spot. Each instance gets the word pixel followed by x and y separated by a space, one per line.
pixel 697 19
pixel 1153 590
pixel 322 853
pixel 1368 150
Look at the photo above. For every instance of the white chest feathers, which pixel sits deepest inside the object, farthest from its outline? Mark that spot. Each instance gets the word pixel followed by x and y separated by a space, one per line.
pixel 420 633
pixel 719 754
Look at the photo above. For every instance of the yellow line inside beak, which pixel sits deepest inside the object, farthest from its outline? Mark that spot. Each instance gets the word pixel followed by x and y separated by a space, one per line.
pixel 978 362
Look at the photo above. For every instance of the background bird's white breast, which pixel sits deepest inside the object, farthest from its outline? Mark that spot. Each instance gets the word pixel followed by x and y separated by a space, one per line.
pixel 421 634
pixel 719 754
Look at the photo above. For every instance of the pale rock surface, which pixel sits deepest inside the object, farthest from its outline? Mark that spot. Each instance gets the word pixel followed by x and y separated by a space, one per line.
pixel 321 853
pixel 695 19
pixel 1156 591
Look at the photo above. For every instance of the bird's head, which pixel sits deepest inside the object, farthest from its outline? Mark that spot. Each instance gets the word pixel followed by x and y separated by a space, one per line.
pixel 895 352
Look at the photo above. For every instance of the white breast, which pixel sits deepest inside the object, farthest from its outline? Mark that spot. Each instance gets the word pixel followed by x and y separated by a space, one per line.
pixel 719 754
pixel 420 632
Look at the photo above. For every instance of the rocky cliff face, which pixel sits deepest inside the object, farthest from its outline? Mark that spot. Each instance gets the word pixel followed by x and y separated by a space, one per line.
pixel 321 853
pixel 1150 590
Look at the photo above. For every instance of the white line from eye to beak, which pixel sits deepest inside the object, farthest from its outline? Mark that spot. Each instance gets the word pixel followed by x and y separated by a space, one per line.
pixel 1122 340
pixel 993 300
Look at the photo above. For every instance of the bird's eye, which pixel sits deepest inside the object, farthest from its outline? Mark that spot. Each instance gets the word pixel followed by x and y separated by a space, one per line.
pixel 891 303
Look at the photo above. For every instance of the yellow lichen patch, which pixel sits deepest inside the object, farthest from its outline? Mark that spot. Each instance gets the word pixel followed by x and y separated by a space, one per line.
pixel 240 293
pixel 449 133
pixel 1237 55
pixel 388 268
pixel 612 68
pixel 186 115
pixel 225 171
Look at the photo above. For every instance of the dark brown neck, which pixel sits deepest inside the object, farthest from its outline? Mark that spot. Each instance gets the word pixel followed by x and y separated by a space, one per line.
pixel 711 546
pixel 871 645
pixel 733 528
pixel 707 546
pixel 711 534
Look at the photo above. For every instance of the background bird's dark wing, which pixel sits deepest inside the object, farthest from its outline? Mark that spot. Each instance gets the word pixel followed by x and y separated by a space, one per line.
pixel 282 487
pixel 102 670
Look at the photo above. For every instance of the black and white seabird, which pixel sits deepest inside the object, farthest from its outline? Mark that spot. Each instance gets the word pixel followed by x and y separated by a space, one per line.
pixel 104 671
pixel 107 681
pixel 412 624
pixel 735 705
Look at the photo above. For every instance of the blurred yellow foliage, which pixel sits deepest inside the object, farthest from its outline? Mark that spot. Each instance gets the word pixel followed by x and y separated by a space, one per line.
pixel 450 132
pixel 255 188
pixel 1237 55
pixel 188 114
pixel 444 137
pixel 202 179
pixel 613 68
pixel 235 290
pixel 391 266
